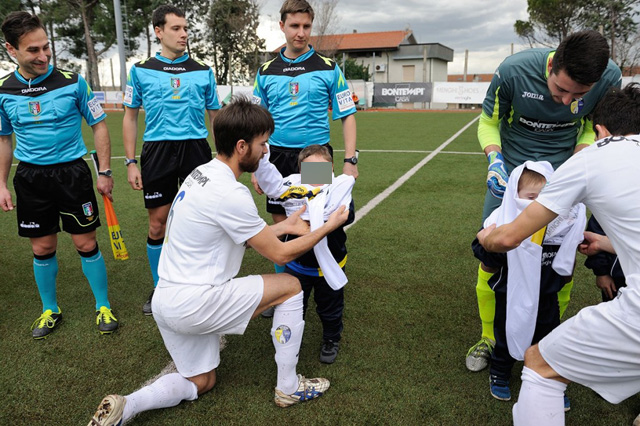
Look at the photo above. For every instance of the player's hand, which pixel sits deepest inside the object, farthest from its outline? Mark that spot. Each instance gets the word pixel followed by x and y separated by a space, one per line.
pixel 295 225
pixel 338 217
pixel 105 186
pixel 484 233
pixel 254 182
pixel 5 200
pixel 595 243
pixel 607 285
pixel 134 177
pixel 350 169
pixel 497 176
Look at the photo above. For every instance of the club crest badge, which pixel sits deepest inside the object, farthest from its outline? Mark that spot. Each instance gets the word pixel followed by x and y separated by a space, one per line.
pixel 294 88
pixel 175 83
pixel 282 334
pixel 34 108
pixel 576 106
pixel 87 208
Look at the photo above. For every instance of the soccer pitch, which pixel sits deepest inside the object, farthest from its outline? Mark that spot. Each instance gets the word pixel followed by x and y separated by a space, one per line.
pixel 410 305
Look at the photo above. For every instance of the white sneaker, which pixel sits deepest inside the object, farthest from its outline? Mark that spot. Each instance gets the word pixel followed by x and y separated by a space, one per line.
pixel 307 389
pixel 109 411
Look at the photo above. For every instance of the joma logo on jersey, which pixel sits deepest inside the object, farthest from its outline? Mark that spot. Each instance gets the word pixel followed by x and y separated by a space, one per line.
pixel 175 83
pixel 294 88
pixel 530 95
pixel 34 108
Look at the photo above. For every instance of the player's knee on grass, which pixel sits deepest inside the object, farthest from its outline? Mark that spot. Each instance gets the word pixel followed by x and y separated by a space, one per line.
pixel 488 269
pixel 204 382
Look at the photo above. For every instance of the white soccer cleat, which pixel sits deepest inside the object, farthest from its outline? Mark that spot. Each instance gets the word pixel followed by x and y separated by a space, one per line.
pixel 479 354
pixel 109 411
pixel 307 389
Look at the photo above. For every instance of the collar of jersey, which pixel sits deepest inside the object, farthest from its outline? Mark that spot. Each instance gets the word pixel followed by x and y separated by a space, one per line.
pixel 36 80
pixel 300 58
pixel 169 61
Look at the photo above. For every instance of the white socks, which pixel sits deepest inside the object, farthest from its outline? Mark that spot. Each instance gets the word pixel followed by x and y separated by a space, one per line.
pixel 286 334
pixel 541 401
pixel 165 392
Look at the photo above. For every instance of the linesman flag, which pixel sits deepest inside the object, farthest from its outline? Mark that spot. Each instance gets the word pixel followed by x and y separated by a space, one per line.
pixel 115 235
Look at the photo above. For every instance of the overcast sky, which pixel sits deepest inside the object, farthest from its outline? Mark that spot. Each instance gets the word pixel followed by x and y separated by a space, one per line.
pixel 483 27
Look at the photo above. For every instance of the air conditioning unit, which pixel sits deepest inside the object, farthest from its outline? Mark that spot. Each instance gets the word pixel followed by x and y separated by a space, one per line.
pixel 381 68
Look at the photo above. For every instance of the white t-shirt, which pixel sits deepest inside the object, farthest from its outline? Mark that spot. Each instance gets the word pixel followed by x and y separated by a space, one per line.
pixel 210 221
pixel 606 178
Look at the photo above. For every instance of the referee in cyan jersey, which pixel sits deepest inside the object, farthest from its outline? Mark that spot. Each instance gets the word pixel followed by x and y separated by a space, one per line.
pixel 44 107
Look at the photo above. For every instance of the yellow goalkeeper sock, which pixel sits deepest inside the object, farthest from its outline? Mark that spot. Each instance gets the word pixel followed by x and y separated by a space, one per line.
pixel 486 303
pixel 564 295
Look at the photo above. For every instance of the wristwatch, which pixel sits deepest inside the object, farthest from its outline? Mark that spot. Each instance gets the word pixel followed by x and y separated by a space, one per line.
pixel 353 160
pixel 128 161
pixel 106 173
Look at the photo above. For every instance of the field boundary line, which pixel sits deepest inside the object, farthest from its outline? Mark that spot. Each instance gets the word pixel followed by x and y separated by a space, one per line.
pixel 362 212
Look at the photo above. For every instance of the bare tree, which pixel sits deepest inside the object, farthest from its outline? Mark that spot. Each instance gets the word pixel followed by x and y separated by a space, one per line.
pixel 326 26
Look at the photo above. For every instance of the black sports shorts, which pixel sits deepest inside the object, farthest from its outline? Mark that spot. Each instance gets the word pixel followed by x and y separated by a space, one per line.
pixel 166 164
pixel 47 194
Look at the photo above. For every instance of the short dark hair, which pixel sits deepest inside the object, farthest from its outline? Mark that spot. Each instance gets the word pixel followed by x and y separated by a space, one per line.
pixel 17 24
pixel 159 17
pixel 583 56
pixel 619 110
pixel 240 119
pixel 295 6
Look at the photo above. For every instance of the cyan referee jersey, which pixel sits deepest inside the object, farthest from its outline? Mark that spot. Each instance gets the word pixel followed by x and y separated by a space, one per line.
pixel 46 114
pixel 174 95
pixel 298 94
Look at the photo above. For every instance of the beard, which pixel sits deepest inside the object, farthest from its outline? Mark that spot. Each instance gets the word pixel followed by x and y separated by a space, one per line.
pixel 247 164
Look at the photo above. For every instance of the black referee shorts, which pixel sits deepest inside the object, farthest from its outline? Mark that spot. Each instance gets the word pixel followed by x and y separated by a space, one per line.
pixel 47 194
pixel 166 164
pixel 286 161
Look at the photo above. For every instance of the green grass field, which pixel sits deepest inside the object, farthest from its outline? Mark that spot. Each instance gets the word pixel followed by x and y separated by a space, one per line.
pixel 410 311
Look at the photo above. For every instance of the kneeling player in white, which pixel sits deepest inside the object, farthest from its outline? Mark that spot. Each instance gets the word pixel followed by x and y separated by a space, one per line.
pixel 197 298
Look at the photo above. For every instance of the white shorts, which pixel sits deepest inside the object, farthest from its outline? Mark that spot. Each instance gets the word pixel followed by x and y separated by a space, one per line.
pixel 600 346
pixel 191 319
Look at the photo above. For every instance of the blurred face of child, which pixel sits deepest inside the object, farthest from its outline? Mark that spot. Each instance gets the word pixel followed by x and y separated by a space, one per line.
pixel 530 191
pixel 316 158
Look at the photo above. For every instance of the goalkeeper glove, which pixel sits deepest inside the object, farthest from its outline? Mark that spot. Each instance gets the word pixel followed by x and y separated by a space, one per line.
pixel 497 177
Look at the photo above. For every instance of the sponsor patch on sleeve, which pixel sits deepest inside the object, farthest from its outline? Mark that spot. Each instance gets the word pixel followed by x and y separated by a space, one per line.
pixel 95 108
pixel 257 100
pixel 128 94
pixel 345 101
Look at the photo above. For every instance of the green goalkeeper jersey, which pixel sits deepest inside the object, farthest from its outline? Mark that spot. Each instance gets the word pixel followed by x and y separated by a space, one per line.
pixel 520 115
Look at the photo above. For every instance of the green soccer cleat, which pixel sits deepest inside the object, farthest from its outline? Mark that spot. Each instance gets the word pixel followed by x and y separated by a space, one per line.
pixel 109 411
pixel 45 323
pixel 479 354
pixel 106 321
pixel 307 389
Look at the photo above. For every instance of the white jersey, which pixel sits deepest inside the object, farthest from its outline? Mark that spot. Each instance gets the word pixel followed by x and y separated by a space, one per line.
pixel 210 221
pixel 605 177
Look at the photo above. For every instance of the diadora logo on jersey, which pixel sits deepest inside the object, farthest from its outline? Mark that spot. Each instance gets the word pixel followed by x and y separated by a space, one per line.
pixel 34 89
pixel 345 100
pixel 294 88
pixel 173 69
pixel 293 69
pixel 530 95
pixel 175 83
pixel 576 106
pixel 153 196
pixel 541 126
pixel 34 108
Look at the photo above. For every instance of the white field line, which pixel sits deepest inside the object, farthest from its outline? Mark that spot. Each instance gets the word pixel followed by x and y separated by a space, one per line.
pixel 362 212
pixel 383 151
